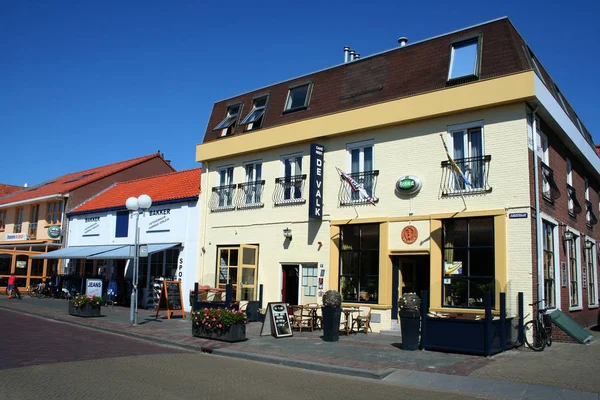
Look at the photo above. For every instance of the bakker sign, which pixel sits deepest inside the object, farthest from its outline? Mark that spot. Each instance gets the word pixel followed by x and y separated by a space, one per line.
pixel 315 196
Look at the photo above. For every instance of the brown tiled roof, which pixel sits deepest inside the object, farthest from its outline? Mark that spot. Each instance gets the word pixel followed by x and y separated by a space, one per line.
pixel 160 188
pixel 416 68
pixel 72 181
pixel 8 189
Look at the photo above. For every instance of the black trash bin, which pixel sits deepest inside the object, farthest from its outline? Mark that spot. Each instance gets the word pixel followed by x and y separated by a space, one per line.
pixel 410 324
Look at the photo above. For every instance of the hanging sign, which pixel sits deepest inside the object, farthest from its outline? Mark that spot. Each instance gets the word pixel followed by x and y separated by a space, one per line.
pixel 277 321
pixel 54 232
pixel 315 196
pixel 171 299
pixel 408 185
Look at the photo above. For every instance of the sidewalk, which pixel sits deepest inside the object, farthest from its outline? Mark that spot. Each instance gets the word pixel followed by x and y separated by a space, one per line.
pixel 518 373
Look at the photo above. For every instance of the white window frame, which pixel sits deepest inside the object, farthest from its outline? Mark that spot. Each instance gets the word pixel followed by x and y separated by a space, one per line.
pixel 293 156
pixel 570 202
pixel 253 178
pixel 304 268
pixel 359 145
pixel 593 272
pixel 588 216
pixel 557 272
pixel 228 169
pixel 466 128
pixel 577 241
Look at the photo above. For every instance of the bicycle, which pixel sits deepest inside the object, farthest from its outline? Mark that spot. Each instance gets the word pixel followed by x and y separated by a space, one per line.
pixel 538 331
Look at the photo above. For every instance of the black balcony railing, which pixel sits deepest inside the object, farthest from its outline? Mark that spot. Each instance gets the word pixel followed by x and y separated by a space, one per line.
pixel 221 198
pixel 348 193
pixel 289 190
pixel 32 230
pixel 474 169
pixel 17 228
pixel 249 194
pixel 550 190
pixel 574 205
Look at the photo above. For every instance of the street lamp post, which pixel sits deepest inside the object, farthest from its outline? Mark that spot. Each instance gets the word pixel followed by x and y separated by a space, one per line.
pixel 138 206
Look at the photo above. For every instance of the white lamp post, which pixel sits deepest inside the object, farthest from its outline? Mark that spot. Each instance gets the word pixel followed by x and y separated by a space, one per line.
pixel 138 206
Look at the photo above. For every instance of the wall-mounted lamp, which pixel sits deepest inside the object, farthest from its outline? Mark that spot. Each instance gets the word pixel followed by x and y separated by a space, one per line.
pixel 568 236
pixel 589 244
pixel 287 233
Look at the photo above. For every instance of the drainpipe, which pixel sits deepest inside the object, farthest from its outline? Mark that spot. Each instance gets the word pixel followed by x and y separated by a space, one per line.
pixel 538 217
pixel 205 199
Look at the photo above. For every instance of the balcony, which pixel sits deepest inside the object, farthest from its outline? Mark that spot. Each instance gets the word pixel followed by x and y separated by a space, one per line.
pixel 32 230
pixel 574 205
pixel 250 195
pixel 475 170
pixel 350 194
pixel 17 228
pixel 221 198
pixel 550 191
pixel 289 190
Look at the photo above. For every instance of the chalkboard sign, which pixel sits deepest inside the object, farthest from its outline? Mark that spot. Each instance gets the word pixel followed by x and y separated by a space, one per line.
pixel 171 299
pixel 277 321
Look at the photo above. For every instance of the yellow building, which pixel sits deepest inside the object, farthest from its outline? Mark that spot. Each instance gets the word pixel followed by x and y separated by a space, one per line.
pixel 280 165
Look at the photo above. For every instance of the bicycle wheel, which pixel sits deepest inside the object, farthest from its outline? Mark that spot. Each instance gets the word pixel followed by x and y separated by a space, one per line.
pixel 549 336
pixel 535 336
pixel 30 291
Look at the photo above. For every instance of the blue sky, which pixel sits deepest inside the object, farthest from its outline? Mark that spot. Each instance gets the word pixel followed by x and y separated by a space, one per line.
pixel 88 83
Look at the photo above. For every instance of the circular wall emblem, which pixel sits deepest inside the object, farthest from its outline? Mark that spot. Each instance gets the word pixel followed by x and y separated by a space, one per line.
pixel 408 184
pixel 54 231
pixel 409 234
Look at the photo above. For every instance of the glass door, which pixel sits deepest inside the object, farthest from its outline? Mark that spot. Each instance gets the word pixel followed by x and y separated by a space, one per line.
pixel 247 279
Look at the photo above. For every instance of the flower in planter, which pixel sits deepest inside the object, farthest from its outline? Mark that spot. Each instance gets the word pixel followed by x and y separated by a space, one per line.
pixel 79 301
pixel 409 302
pixel 213 319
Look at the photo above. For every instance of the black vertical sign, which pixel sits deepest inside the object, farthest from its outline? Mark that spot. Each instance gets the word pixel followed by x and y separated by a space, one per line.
pixel 315 197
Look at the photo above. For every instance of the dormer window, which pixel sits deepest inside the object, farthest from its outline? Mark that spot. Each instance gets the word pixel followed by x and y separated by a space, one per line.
pixel 464 59
pixel 228 124
pixel 298 98
pixel 255 118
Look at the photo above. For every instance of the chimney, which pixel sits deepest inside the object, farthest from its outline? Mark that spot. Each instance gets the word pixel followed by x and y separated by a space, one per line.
pixel 346 51
pixel 25 185
pixel 402 41
pixel 351 55
pixel 356 56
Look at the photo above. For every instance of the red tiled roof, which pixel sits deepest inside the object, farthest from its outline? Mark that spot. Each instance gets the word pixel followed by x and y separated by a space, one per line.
pixel 173 186
pixel 72 181
pixel 8 189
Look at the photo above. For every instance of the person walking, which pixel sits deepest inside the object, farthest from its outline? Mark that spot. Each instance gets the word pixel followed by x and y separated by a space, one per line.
pixel 11 285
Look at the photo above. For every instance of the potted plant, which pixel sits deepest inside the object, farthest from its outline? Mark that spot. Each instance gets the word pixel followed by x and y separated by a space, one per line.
pixel 410 320
pixel 219 324
pixel 332 310
pixel 85 306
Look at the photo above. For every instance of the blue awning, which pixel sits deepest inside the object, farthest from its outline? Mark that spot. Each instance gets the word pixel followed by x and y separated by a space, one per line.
pixel 126 252
pixel 77 252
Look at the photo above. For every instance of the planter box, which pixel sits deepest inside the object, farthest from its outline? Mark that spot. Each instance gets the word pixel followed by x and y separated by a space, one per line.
pixel 410 324
pixel 331 323
pixel 235 333
pixel 86 310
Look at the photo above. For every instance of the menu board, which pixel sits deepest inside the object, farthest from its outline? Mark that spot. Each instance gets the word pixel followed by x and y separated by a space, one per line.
pixel 170 299
pixel 277 321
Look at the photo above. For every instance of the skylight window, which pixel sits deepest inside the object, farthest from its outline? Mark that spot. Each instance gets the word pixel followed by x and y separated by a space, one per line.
pixel 255 118
pixel 227 125
pixel 298 98
pixel 80 177
pixel 464 59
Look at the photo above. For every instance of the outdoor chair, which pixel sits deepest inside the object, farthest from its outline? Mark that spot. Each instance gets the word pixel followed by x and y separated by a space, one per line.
pixel 302 318
pixel 363 320
pixel 243 305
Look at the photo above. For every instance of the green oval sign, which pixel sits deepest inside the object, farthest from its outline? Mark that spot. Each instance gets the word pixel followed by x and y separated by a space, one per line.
pixel 408 184
pixel 54 231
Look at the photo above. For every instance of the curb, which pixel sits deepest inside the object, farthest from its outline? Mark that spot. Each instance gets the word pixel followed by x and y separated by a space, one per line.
pixel 207 349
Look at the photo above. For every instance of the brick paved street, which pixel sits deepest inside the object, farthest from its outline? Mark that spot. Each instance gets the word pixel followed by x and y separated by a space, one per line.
pixel 52 360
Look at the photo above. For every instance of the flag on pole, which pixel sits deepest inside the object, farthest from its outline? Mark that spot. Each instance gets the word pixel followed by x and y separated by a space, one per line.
pixel 453 164
pixel 355 186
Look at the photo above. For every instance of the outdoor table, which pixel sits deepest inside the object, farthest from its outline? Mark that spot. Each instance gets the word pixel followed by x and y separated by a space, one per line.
pixel 312 309
pixel 349 313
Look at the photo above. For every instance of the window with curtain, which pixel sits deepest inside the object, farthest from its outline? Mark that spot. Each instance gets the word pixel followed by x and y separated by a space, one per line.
pixel 573 272
pixel 469 265
pixel 468 154
pixel 225 176
pixel 362 166
pixel 549 280
pixel 253 190
pixel 359 263
pixel 292 167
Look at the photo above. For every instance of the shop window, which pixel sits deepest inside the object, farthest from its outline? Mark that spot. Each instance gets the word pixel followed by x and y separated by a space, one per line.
pixel 238 266
pixel 468 265
pixel 359 263
pixel 37 267
pixel 309 280
pixel 122 227
pixel 21 265
pixel 5 261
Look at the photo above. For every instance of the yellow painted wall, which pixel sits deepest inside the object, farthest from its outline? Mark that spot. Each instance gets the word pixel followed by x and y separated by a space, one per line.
pixel 42 228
